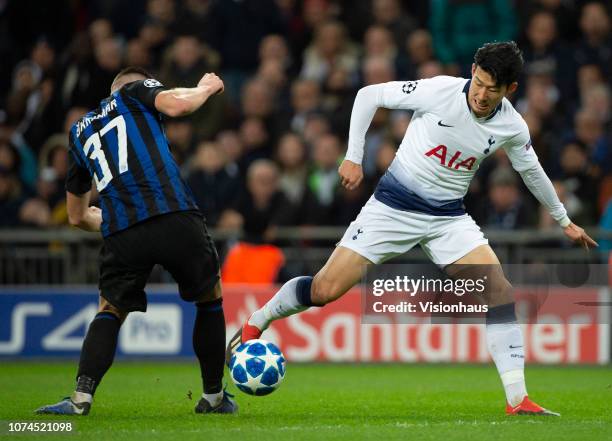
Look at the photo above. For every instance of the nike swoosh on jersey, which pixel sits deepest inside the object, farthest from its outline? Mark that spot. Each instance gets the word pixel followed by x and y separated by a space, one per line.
pixel 440 123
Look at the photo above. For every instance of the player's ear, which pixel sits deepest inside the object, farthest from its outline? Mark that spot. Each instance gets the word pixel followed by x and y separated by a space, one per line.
pixel 512 88
pixel 473 68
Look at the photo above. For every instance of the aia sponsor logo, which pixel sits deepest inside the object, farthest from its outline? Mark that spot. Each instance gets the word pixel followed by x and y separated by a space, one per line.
pixel 454 161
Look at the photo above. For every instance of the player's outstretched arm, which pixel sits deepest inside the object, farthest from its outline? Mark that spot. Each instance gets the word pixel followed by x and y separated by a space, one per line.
pixel 578 235
pixel 183 101
pixel 540 186
pixel 80 214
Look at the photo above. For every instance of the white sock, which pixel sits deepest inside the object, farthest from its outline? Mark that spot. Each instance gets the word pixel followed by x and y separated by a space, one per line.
pixel 514 386
pixel 81 397
pixel 213 399
pixel 505 343
pixel 285 302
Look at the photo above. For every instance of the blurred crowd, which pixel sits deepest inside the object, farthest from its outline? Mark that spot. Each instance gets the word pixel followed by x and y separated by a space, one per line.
pixel 265 153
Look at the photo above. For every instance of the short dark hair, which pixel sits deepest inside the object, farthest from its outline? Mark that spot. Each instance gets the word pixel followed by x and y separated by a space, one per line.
pixel 132 70
pixel 503 61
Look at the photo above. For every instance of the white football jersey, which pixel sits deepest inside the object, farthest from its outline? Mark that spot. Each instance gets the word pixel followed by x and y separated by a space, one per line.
pixel 445 142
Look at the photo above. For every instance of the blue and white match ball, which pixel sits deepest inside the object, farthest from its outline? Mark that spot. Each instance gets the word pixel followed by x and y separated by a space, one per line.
pixel 257 367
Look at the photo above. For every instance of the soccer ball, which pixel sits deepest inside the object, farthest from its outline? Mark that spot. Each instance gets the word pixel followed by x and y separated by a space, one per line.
pixel 257 367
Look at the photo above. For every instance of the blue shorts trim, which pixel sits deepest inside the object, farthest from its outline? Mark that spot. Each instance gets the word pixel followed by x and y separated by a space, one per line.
pixel 395 195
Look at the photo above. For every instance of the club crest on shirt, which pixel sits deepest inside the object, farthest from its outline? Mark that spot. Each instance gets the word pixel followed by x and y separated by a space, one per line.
pixel 409 86
pixel 152 83
pixel 491 141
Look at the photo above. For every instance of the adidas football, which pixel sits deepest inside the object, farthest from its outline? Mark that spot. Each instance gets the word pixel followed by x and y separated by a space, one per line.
pixel 257 367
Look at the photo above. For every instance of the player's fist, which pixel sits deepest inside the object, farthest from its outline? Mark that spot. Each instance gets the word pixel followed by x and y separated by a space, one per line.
pixel 92 219
pixel 351 174
pixel 212 81
pixel 578 235
pixel 95 210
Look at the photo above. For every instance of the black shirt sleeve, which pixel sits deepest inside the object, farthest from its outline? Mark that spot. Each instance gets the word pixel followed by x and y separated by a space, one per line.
pixel 78 179
pixel 145 91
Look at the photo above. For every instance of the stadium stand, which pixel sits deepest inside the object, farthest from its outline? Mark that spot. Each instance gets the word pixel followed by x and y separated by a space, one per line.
pixel 291 70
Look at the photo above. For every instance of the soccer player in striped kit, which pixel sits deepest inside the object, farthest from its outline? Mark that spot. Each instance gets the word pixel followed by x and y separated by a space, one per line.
pixel 147 216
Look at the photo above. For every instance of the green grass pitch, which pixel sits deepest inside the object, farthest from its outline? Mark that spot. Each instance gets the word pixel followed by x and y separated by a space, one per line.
pixel 150 401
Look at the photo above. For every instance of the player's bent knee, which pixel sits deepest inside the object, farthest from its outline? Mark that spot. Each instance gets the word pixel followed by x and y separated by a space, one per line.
pixel 105 306
pixel 506 292
pixel 500 289
pixel 211 305
pixel 209 295
pixel 324 290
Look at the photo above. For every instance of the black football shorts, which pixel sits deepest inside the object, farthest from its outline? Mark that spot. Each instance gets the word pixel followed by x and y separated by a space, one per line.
pixel 178 241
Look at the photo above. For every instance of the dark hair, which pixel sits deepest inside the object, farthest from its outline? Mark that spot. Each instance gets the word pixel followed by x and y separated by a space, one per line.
pixel 503 61
pixel 132 70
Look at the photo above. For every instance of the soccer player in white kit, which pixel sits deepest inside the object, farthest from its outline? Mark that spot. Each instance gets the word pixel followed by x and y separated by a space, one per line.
pixel 456 124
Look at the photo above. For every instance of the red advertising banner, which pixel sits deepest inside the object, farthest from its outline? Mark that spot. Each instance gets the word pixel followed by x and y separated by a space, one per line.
pixel 564 333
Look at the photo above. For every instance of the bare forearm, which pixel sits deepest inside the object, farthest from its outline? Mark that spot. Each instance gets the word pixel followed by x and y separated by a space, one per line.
pixel 80 214
pixel 182 100
pixel 193 97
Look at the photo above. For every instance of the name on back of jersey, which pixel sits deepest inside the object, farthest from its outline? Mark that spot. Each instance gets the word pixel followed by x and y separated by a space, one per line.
pixel 84 122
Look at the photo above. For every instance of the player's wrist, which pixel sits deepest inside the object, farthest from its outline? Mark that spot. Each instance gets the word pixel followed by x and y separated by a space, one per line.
pixel 207 90
pixel 203 90
pixel 355 160
pixel 565 222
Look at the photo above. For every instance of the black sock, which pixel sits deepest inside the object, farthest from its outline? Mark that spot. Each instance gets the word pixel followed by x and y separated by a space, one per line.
pixel 501 314
pixel 209 344
pixel 98 351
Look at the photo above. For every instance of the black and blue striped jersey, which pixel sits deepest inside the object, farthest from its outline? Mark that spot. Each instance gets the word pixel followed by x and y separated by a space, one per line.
pixel 122 146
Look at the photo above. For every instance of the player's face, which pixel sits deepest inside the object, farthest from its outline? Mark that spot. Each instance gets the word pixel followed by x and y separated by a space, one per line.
pixel 484 94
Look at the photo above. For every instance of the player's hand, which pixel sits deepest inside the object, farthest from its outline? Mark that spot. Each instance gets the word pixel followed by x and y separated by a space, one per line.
pixel 94 218
pixel 212 81
pixel 578 235
pixel 351 174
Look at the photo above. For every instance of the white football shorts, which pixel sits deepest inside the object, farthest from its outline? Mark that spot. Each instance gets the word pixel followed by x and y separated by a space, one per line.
pixel 380 233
